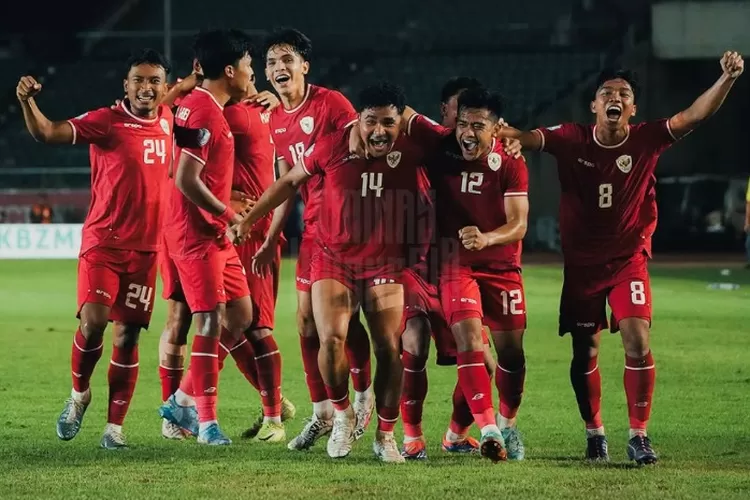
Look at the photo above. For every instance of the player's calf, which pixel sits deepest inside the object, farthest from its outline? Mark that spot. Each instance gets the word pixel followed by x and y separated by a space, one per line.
pixel 509 380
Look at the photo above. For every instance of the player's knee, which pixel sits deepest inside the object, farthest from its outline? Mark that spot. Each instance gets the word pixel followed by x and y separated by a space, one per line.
pixel 468 335
pixel 177 328
pixel 306 323
pixel 416 337
pixel 332 340
pixel 585 346
pixel 125 335
pixel 258 334
pixel 208 324
pixel 386 351
pixel 635 337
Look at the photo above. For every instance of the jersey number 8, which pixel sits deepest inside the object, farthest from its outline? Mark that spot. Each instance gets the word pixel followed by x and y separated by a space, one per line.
pixel 605 195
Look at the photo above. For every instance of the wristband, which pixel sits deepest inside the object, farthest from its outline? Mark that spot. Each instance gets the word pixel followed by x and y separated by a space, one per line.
pixel 227 215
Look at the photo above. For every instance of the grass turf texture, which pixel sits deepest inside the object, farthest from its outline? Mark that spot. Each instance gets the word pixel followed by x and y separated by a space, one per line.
pixel 699 421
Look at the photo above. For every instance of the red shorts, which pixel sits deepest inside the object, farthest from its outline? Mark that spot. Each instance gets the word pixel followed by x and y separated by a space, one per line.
pixel 170 280
pixel 263 289
pixel 583 304
pixel 496 297
pixel 421 299
pixel 216 278
pixel 307 248
pixel 123 280
pixel 325 266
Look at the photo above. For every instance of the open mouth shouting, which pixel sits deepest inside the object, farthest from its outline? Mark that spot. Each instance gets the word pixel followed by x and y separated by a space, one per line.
pixel 282 79
pixel 614 112
pixel 379 144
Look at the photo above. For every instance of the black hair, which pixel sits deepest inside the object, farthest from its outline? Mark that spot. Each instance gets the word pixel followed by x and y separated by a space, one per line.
pixel 217 49
pixel 147 56
pixel 382 95
pixel 456 85
pixel 481 98
pixel 608 74
pixel 298 41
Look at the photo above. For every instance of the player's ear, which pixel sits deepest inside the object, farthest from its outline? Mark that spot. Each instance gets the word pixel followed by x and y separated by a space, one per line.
pixel 125 86
pixel 229 71
pixel 635 108
pixel 443 109
pixel 593 107
pixel 305 67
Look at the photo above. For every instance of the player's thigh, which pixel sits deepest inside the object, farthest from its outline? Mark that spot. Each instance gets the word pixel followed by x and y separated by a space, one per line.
pixel 135 298
pixel 98 285
pixel 179 319
pixel 304 264
pixel 445 343
pixel 202 281
pixel 630 296
pixel 583 301
pixel 383 306
pixel 332 304
pixel 305 319
pixel 239 306
pixel 170 279
pixel 459 296
pixel 503 301
pixel 263 296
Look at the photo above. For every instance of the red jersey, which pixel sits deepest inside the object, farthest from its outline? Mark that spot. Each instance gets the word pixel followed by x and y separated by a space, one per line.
pixel 421 232
pixel 322 112
pixel 189 230
pixel 471 193
pixel 607 204
pixel 129 160
pixel 365 203
pixel 254 152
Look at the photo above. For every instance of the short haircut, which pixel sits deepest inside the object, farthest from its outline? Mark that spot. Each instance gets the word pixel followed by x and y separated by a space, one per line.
pixel 608 74
pixel 298 41
pixel 382 95
pixel 456 85
pixel 217 49
pixel 147 56
pixel 481 98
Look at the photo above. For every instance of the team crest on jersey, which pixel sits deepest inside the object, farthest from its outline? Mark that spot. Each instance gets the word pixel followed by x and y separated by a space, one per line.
pixel 307 124
pixel 494 161
pixel 624 163
pixel 164 125
pixel 393 158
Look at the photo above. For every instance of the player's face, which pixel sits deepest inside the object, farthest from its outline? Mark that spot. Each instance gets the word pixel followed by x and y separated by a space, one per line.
pixel 145 86
pixel 475 131
pixel 450 111
pixel 614 104
pixel 379 128
pixel 285 69
pixel 241 77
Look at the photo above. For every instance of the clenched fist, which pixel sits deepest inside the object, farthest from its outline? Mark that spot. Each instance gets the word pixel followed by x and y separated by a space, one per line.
pixel 472 238
pixel 732 64
pixel 27 87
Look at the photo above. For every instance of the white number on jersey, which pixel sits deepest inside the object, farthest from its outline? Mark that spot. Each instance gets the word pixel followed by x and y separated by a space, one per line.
pixel 470 182
pixel 296 150
pixel 140 293
pixel 511 301
pixel 637 293
pixel 153 148
pixel 372 181
pixel 605 195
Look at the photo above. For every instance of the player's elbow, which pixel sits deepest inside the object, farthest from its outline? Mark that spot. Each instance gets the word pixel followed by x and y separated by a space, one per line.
pixel 519 230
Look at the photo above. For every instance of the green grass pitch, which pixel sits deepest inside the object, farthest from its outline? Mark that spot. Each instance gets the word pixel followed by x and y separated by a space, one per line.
pixel 700 421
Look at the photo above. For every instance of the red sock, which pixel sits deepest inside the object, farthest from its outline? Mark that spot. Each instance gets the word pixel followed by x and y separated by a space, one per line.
pixel 461 419
pixel 414 394
pixel 310 347
pixel 358 354
pixel 639 379
pixel 123 373
pixel 170 380
pixel 387 418
pixel 204 365
pixel 226 343
pixel 587 385
pixel 83 359
pixel 339 396
pixel 268 361
pixel 475 383
pixel 510 389
pixel 244 356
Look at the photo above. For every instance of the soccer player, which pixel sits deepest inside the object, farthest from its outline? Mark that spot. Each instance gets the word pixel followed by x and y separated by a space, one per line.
pixel 607 217
pixel 130 150
pixel 481 282
pixel 364 203
pixel 424 315
pixel 309 112
pixel 210 274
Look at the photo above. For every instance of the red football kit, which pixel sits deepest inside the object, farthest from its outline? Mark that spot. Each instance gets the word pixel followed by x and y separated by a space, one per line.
pixel 254 164
pixel 607 218
pixel 294 131
pixel 364 204
pixel 484 284
pixel 129 161
pixel 209 271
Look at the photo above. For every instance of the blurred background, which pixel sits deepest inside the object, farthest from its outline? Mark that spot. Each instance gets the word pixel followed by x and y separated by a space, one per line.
pixel 542 54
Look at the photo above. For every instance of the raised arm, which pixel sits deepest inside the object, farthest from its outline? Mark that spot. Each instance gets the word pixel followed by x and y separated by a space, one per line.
pixel 41 128
pixel 711 100
pixel 531 140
